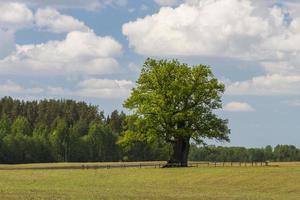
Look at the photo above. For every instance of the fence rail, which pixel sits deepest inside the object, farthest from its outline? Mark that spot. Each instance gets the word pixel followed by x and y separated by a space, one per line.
pixel 140 165
pixel 228 164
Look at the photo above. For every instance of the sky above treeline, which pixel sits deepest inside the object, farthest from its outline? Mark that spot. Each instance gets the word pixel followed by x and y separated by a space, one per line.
pixel 93 50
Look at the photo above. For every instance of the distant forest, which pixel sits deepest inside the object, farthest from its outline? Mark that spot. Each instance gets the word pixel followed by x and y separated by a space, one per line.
pixel 70 131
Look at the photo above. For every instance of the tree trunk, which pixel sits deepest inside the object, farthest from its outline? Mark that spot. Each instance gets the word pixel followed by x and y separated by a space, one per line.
pixel 179 157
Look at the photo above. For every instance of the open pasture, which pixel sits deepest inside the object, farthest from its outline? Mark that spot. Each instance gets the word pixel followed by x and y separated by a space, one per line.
pixel 278 181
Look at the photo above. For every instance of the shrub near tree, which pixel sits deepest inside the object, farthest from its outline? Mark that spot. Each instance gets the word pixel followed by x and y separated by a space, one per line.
pixel 175 102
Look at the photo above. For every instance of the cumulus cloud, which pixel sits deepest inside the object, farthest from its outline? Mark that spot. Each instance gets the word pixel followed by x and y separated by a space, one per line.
pixel 167 2
pixel 92 88
pixel 238 107
pixel 11 88
pixel 262 31
pixel 7 43
pixel 219 28
pixel 49 19
pixel 104 88
pixel 14 15
pixel 79 53
pixel 56 91
pixel 204 29
pixel 95 88
pixel 268 85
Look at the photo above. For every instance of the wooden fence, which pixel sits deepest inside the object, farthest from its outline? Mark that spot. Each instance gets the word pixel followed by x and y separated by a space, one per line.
pixel 140 165
pixel 228 164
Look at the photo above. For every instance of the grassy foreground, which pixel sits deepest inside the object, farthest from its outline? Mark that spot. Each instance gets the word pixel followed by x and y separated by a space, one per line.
pixel 282 182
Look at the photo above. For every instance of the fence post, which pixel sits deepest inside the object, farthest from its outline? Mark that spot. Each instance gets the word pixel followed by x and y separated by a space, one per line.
pixel 215 164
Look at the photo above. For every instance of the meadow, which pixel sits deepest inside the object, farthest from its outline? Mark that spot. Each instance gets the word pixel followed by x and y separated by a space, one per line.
pixel 277 181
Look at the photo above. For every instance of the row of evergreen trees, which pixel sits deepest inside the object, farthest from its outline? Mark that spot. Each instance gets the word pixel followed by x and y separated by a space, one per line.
pixel 69 131
pixel 242 154
pixel 66 131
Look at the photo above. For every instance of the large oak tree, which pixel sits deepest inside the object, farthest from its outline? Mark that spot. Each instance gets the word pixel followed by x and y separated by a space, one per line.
pixel 176 102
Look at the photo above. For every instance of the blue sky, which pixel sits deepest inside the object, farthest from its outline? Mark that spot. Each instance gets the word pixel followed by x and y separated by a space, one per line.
pixel 92 50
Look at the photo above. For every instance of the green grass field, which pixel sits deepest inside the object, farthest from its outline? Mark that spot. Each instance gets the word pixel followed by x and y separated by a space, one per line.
pixel 281 182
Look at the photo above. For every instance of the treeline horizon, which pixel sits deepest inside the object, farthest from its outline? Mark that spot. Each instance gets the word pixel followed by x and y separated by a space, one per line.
pixel 69 131
pixel 280 153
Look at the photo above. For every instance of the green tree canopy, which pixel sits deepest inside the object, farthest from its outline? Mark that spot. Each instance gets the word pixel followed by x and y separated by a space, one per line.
pixel 176 102
pixel 21 126
pixel 4 126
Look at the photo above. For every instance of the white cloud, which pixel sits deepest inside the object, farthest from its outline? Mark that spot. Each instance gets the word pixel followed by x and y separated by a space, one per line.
pixel 57 91
pixel 50 19
pixel 242 29
pixel 238 107
pixel 262 31
pixel 95 88
pixel 14 16
pixel 12 88
pixel 81 53
pixel 268 85
pixel 91 88
pixel 167 2
pixel 104 88
pixel 7 43
pixel 225 28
